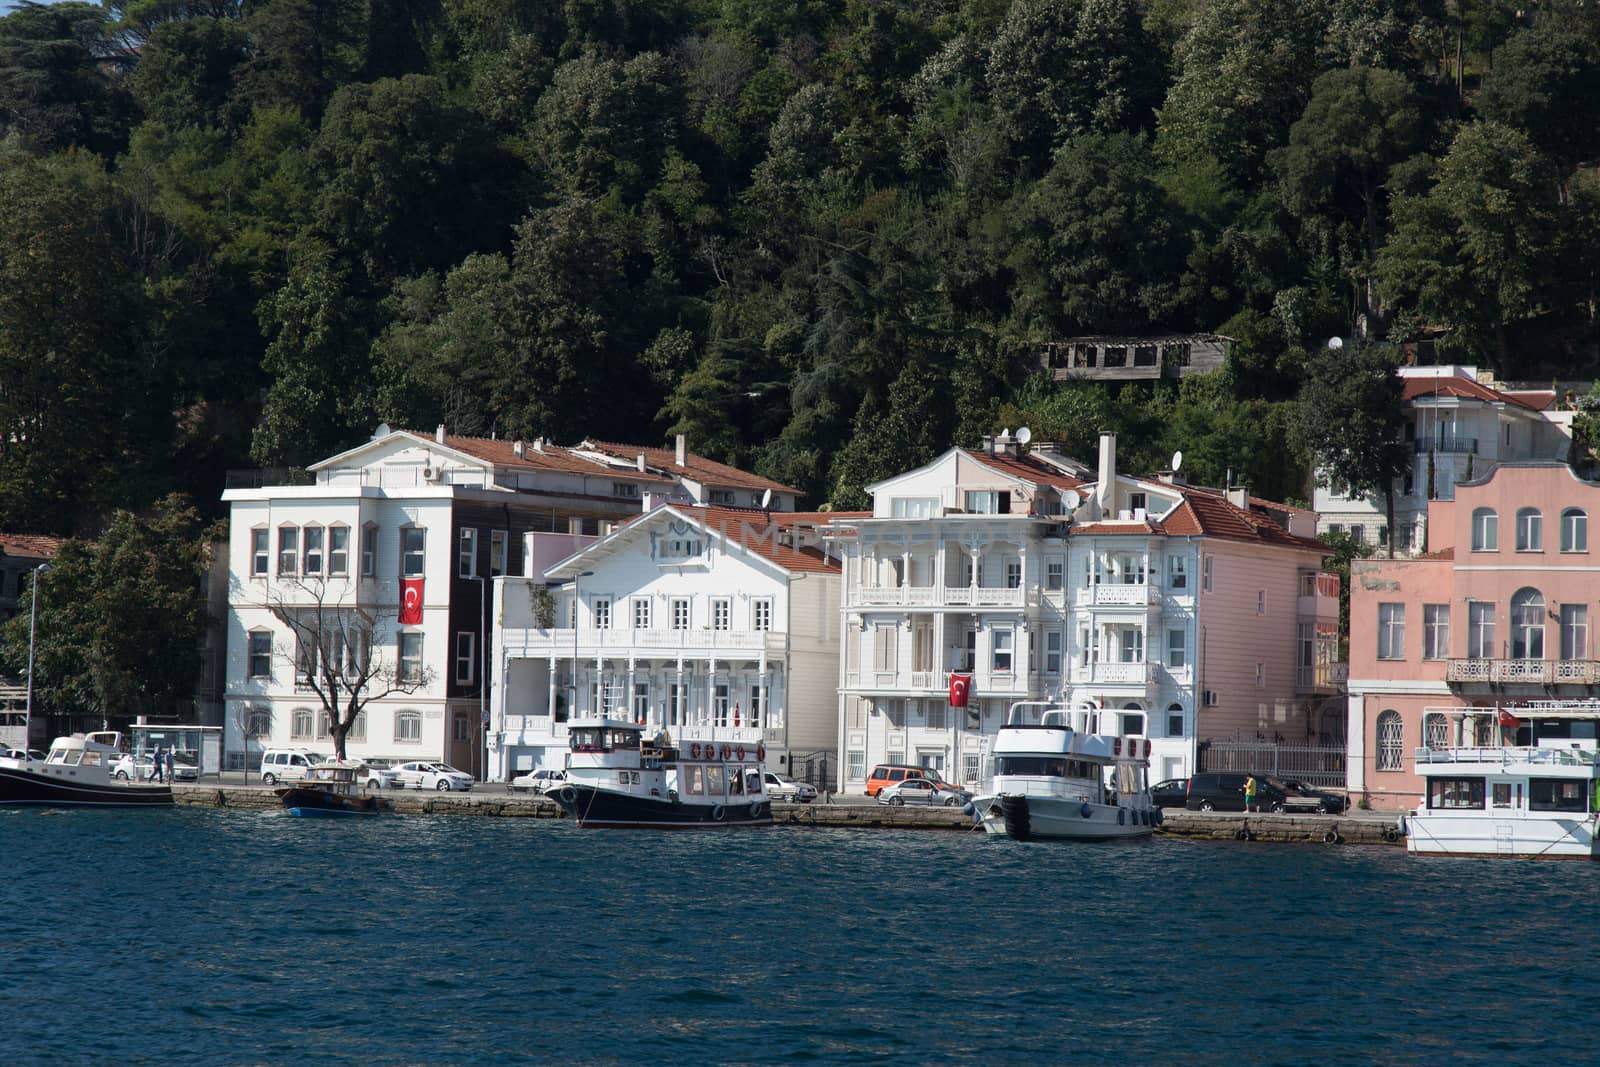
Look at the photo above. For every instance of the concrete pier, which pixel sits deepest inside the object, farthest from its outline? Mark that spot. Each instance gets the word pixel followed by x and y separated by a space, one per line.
pixel 1356 828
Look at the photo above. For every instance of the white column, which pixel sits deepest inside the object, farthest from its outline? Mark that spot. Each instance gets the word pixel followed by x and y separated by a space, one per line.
pixel 550 707
pixel 628 696
pixel 711 691
pixel 683 696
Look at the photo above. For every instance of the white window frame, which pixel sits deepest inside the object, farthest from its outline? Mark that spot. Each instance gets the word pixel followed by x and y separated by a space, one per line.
pixel 260 552
pixel 761 614
pixel 1013 572
pixel 600 609
pixel 499 552
pixel 1054 651
pixel 1435 631
pixel 1527 624
pixel 408 656
pixel 466 657
pixel 1574 530
pixel 338 551
pixel 1530 530
pixel 369 550
pixel 311 555
pixel 302 724
pixel 1055 573
pixel 408 727
pixel 1002 650
pixel 413 551
pixel 1480 629
pixel 1391 631
pixel 981 501
pixel 1205 574
pixel 1485 530
pixel 1177 648
pixel 678 613
pixel 288 550
pixel 641 613
pixel 258 656
pixel 467 552
pixel 641 701
pixel 1177 572
pixel 1574 631
pixel 721 613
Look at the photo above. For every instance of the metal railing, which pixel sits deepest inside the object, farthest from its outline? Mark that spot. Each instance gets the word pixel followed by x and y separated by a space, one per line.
pixel 1503 755
pixel 1322 766
pixel 1450 443
pixel 1524 671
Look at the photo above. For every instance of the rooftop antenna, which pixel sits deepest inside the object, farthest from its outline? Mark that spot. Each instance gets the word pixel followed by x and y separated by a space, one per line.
pixel 1177 461
pixel 1024 435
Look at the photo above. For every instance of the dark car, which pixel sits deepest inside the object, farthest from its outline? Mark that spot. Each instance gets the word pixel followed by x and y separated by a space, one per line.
pixel 1172 793
pixel 1224 791
pixel 1302 797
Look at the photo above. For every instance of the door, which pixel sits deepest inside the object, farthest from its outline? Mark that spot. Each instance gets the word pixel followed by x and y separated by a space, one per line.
pixel 463 753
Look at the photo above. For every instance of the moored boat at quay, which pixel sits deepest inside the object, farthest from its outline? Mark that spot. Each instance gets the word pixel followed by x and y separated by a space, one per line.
pixel 1520 781
pixel 332 789
pixel 76 773
pixel 1056 777
pixel 618 779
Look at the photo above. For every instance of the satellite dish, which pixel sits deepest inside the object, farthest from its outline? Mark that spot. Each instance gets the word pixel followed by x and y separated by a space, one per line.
pixel 766 499
pixel 1335 343
pixel 1070 500
pixel 1177 461
pixel 1024 435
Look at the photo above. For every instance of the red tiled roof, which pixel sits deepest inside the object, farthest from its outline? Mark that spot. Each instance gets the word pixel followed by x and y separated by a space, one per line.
pixel 731 522
pixel 38 546
pixel 1028 469
pixel 1467 389
pixel 1207 513
pixel 698 468
pixel 502 453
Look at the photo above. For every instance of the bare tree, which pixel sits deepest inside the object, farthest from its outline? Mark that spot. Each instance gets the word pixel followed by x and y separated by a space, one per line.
pixel 254 722
pixel 332 655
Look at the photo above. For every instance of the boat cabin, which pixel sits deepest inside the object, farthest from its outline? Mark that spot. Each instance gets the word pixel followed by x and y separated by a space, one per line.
pixel 93 750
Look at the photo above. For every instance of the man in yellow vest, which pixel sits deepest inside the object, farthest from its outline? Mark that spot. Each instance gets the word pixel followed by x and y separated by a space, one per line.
pixel 1250 793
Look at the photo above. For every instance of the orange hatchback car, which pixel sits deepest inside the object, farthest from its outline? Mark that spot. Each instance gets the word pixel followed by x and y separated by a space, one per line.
pixel 891 773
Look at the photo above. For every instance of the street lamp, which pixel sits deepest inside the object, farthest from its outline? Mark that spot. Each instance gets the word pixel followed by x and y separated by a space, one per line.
pixel 33 623
pixel 572 711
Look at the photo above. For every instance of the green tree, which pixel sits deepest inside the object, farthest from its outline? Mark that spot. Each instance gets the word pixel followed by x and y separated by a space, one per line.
pixel 1350 421
pixel 1472 254
pixel 1546 83
pixel 185 73
pixel 302 51
pixel 55 86
pixel 120 619
pixel 909 430
pixel 1360 123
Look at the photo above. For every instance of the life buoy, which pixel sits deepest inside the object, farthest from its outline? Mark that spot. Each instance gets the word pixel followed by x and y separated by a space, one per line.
pixel 755 810
pixel 717 813
pixel 740 752
pixel 694 750
pixel 761 753
pixel 726 751
pixel 1331 837
pixel 568 795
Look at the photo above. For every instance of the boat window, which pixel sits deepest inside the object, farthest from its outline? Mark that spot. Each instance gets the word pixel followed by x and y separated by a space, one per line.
pixel 1046 766
pixel 1547 729
pixel 73 756
pixel 624 739
pixel 587 740
pixel 1502 795
pixel 1557 794
pixel 1455 793
pixel 694 779
pixel 714 780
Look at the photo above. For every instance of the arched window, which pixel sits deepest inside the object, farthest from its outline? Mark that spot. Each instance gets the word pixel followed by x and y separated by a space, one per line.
pixel 1131 720
pixel 1175 720
pixel 1485 530
pixel 1574 530
pixel 1435 731
pixel 300 722
pixel 408 726
pixel 1391 740
pixel 1527 624
pixel 1530 530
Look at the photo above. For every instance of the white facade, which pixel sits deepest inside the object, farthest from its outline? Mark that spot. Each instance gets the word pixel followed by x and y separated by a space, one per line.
pixel 1460 425
pixel 451 513
pixel 700 622
pixel 1042 585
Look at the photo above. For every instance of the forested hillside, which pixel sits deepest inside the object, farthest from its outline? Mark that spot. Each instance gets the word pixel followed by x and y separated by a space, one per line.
pixel 824 238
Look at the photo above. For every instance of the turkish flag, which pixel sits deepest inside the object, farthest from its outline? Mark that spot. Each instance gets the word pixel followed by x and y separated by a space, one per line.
pixel 410 601
pixel 960 688
pixel 1509 720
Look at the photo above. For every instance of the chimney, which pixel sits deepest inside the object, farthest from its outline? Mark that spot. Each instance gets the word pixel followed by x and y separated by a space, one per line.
pixel 683 450
pixel 438 435
pixel 1106 482
pixel 640 462
pixel 538 445
pixel 988 443
pixel 519 449
pixel 1239 496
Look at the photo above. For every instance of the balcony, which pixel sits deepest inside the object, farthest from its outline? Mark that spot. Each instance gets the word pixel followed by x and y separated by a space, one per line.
pixel 929 596
pixel 1133 595
pixel 1319 596
pixel 1450 443
pixel 1138 674
pixel 1522 672
pixel 559 643
pixel 936 683
pixel 1322 679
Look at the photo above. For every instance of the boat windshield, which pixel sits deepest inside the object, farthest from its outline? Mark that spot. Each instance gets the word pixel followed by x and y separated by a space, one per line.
pixel 1046 767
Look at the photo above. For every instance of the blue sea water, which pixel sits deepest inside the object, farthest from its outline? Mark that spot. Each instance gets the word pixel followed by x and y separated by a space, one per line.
pixel 215 937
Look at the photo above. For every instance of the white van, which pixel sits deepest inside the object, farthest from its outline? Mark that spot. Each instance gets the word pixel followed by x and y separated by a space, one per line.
pixel 287 764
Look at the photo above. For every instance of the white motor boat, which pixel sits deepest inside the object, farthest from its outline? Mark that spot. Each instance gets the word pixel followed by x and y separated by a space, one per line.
pixel 76 773
pixel 1531 792
pixel 1057 777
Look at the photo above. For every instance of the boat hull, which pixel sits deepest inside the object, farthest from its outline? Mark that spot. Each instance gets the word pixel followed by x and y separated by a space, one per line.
pixel 1034 818
pixel 20 787
pixel 611 809
pixel 1437 834
pixel 320 803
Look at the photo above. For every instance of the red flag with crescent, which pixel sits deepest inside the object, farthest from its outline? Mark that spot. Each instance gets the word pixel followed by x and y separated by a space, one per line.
pixel 960 689
pixel 410 601
pixel 1509 720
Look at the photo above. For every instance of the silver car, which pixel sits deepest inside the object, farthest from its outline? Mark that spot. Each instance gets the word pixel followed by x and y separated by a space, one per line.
pixel 781 788
pixel 922 791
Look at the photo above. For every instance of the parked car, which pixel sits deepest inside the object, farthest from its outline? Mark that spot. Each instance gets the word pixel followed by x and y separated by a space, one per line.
pixel 428 774
pixel 142 769
pixel 16 753
pixel 540 781
pixel 1302 797
pixel 1172 793
pixel 1224 791
pixel 781 788
pixel 287 764
pixel 923 791
pixel 372 776
pixel 886 774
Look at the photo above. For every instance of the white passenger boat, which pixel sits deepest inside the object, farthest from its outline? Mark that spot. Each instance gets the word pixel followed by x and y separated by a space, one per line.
pixel 1056 776
pixel 76 773
pixel 618 779
pixel 1517 781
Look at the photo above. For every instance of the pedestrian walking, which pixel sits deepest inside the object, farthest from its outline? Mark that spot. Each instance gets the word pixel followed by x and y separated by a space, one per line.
pixel 169 766
pixel 156 766
pixel 1250 793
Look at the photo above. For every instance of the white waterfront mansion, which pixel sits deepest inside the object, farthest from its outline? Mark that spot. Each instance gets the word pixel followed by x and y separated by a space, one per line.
pixel 704 622
pixel 1176 608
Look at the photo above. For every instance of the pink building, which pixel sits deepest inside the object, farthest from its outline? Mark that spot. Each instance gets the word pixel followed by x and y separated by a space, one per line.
pixel 1495 616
